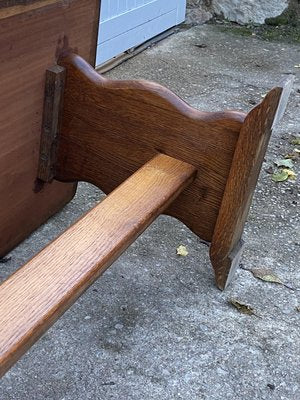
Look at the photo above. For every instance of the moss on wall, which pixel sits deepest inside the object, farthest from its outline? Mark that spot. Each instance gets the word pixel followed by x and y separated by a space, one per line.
pixel 285 27
pixel 289 17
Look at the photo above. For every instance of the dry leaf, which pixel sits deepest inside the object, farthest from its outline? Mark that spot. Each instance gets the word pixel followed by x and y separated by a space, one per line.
pixel 280 176
pixel 266 275
pixel 291 174
pixel 294 155
pixel 296 141
pixel 243 308
pixel 297 66
pixel 287 163
pixel 298 308
pixel 182 251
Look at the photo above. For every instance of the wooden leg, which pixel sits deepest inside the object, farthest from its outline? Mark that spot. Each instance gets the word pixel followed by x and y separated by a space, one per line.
pixel 226 246
pixel 33 298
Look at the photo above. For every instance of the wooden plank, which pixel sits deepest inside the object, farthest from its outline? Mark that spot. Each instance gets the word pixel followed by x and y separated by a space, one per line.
pixel 251 147
pixel 9 8
pixel 39 292
pixel 32 35
pixel 116 126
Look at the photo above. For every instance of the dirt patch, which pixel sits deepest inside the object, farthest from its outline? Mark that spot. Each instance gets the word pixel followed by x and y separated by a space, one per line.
pixel 271 32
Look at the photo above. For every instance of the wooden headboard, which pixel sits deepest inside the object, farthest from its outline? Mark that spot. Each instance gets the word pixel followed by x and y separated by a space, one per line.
pixel 32 35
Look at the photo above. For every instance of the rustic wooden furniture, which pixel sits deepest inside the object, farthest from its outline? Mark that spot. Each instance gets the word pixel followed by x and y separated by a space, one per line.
pixel 32 34
pixel 134 139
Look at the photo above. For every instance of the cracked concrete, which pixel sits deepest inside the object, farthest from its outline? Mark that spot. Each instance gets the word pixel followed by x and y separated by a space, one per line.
pixel 154 326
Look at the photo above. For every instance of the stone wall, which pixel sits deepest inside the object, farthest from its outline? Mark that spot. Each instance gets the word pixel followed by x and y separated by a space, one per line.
pixel 240 11
pixel 198 11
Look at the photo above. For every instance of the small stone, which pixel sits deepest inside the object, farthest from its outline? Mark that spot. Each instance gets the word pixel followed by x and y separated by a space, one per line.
pixel 271 386
pixel 201 45
pixel 269 170
pixel 252 102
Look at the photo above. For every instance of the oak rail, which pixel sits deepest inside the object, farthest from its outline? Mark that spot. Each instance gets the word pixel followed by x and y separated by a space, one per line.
pixel 37 294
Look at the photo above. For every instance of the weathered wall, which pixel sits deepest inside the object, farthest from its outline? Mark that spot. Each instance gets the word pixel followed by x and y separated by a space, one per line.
pixel 246 11
pixel 198 11
pixel 240 11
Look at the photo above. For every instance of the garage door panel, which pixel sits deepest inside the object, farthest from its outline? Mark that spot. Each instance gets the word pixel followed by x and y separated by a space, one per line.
pixel 128 23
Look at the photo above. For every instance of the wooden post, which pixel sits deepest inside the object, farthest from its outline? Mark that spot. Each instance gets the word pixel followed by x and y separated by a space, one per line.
pixel 227 243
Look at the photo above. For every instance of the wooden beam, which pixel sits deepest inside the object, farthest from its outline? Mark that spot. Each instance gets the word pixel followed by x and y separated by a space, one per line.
pixel 34 297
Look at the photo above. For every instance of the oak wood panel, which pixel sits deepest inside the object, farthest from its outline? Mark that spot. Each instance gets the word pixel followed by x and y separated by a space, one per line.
pixel 251 147
pixel 9 8
pixel 111 128
pixel 39 292
pixel 32 35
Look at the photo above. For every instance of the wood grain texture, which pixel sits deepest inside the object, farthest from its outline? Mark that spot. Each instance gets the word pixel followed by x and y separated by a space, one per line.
pixel 226 244
pixel 111 128
pixel 52 113
pixel 9 8
pixel 39 292
pixel 31 40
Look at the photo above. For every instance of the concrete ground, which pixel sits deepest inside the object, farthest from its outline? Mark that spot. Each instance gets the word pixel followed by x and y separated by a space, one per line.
pixel 155 326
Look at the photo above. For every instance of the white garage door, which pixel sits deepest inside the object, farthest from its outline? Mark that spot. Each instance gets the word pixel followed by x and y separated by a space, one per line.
pixel 127 23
